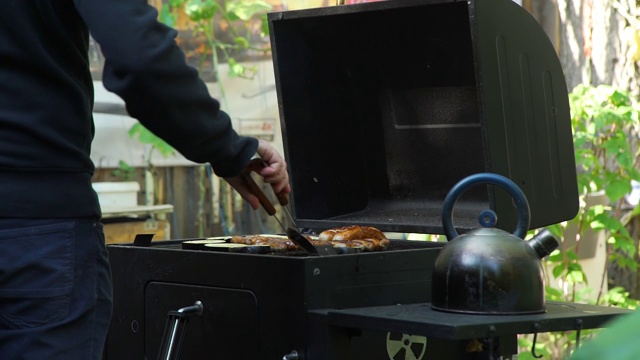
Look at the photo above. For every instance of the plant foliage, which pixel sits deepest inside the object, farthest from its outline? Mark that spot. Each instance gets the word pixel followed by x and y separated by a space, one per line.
pixel 204 14
pixel 605 122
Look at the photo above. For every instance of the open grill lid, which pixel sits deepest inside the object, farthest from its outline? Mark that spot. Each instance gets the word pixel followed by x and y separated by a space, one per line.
pixel 384 106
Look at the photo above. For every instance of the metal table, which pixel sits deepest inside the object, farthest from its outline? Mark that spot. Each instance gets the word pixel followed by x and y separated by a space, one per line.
pixel 458 336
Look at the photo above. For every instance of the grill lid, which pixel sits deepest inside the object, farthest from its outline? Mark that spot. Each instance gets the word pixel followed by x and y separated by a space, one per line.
pixel 384 106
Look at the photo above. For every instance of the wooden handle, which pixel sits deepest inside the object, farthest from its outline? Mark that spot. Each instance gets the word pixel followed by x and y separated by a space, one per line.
pixel 255 190
pixel 282 199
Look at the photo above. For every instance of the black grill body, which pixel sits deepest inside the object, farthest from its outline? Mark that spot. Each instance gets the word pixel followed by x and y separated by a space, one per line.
pixel 255 306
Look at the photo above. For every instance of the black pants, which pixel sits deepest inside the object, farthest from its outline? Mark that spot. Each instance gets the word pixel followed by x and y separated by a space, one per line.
pixel 55 289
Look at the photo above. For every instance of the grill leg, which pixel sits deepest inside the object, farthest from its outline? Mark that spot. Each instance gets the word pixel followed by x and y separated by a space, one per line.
pixel 175 329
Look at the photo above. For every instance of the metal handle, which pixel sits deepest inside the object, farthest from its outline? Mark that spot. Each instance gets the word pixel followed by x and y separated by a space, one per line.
pixel 175 329
pixel 293 355
pixel 485 178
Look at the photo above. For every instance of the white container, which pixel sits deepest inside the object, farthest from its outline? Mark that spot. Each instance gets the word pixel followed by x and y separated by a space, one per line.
pixel 117 194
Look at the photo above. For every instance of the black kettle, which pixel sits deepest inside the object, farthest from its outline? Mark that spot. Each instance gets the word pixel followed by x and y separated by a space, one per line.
pixel 488 270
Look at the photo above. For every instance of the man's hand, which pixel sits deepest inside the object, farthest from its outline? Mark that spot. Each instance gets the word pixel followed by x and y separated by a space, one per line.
pixel 273 170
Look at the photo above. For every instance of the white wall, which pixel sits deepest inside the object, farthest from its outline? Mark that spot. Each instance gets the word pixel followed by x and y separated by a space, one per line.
pixel 250 103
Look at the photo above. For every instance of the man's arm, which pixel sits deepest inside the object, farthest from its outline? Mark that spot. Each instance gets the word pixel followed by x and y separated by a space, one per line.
pixel 145 67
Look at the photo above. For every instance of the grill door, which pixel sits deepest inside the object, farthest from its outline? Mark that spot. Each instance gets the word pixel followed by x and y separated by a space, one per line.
pixel 227 329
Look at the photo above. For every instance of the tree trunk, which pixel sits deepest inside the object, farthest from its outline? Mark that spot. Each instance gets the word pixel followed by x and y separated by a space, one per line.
pixel 595 39
pixel 596 42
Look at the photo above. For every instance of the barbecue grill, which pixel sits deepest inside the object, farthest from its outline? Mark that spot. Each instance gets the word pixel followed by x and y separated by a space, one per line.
pixel 384 106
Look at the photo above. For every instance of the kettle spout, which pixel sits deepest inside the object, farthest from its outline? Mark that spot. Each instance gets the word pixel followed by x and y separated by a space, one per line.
pixel 544 243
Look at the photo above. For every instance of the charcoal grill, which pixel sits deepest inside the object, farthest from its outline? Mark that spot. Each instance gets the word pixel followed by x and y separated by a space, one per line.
pixel 384 106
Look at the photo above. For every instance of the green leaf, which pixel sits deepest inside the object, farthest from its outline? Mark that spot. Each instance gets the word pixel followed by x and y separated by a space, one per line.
pixel 176 3
pixel 619 297
pixel 612 225
pixel 264 25
pixel 626 113
pixel 625 159
pixel 558 270
pixel 617 189
pixel 147 137
pixel 235 69
pixel 243 42
pixel 245 10
pixel 619 340
pixel 201 10
pixel 576 277
pixel 166 16
pixel 125 171
pixel 571 255
pixel 619 98
pixel 625 262
pixel 556 256
pixel 553 292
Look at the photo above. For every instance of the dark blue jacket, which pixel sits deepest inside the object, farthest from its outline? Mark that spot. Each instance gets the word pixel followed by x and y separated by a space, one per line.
pixel 46 100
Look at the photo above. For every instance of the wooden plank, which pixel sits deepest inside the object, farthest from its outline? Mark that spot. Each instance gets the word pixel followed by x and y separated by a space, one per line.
pixel 125 232
pixel 159 211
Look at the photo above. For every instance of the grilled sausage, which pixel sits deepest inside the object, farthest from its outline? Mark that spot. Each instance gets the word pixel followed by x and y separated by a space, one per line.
pixel 375 244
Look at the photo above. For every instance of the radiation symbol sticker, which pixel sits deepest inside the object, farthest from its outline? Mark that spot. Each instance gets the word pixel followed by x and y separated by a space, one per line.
pixel 405 346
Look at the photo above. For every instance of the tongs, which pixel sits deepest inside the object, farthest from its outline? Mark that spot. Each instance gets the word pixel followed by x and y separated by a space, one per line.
pixel 292 233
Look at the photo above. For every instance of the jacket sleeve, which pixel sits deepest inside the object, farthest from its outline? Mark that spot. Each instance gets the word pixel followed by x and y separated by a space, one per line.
pixel 145 67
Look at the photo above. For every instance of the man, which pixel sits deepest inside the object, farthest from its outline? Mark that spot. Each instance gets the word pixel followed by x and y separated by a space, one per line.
pixel 55 289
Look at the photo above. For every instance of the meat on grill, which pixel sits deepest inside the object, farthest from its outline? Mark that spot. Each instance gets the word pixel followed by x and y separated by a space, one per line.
pixel 365 238
pixel 277 243
pixel 368 244
pixel 352 232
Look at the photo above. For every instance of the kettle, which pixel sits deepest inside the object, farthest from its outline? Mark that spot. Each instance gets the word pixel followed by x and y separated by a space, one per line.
pixel 488 270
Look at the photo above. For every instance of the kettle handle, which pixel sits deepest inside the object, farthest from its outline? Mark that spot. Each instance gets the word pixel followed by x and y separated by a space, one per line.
pixel 485 178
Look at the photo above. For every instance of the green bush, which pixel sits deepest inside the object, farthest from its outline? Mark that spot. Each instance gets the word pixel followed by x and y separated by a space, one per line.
pixel 605 122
